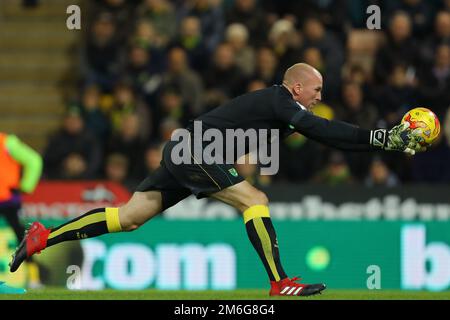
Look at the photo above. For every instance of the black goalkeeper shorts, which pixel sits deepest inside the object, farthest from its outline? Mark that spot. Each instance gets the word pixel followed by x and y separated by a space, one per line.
pixel 178 181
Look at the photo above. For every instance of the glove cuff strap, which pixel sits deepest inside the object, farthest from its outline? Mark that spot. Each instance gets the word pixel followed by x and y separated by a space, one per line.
pixel 378 138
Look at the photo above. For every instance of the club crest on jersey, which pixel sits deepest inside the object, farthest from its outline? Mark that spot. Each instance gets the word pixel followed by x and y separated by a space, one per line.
pixel 233 172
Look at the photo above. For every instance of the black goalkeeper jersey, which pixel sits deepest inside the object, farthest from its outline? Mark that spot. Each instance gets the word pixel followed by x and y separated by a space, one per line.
pixel 274 108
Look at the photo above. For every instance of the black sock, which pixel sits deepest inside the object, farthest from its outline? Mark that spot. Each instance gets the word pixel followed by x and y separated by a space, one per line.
pixel 91 224
pixel 262 235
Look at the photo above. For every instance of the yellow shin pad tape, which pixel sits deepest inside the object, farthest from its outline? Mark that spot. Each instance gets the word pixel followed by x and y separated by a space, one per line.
pixel 112 220
pixel 257 211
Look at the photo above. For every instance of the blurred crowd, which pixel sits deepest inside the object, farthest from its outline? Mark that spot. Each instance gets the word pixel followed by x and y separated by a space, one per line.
pixel 146 67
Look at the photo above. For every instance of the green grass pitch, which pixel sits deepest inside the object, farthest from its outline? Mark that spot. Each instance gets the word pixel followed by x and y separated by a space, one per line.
pixel 64 294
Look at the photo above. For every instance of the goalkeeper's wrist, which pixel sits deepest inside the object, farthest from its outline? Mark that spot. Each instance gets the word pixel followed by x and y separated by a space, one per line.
pixel 378 138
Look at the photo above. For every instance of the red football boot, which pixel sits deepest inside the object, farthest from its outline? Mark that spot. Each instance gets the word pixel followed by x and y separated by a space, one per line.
pixel 34 241
pixel 288 287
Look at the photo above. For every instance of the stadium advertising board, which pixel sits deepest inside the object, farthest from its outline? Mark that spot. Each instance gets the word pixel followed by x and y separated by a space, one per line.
pixel 209 249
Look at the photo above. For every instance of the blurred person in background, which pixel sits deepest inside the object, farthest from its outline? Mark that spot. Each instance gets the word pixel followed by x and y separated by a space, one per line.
pixel 336 171
pixel 223 79
pixel 285 42
pixel 266 68
pixel 153 157
pixel 161 14
pixel 434 89
pixel 236 35
pixel 440 36
pixel 334 14
pixel 171 105
pixel 250 14
pixel 73 152
pixel 313 56
pixel 117 170
pixel 358 74
pixel 101 55
pixel 128 142
pixel 94 117
pixel 21 169
pixel 300 159
pixel 399 48
pixel 420 12
pixel 120 10
pixel 397 96
pixel 380 175
pixel 190 38
pixel 143 71
pixel 256 84
pixel 167 127
pixel 433 166
pixel 181 76
pixel 355 109
pixel 211 17
pixel 332 50
pixel 125 103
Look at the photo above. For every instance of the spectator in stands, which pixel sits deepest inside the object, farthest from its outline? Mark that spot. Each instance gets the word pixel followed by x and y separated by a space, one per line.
pixel 190 38
pixel 101 56
pixel 441 35
pixel 285 42
pixel 73 152
pixel 171 105
pixel 300 159
pixel 180 75
pixel 153 157
pixel 397 96
pixel 336 172
pixel 126 103
pixel 94 118
pixel 256 84
pixel 399 48
pixel 211 17
pixel 252 16
pixel 129 143
pixel 432 166
pixel 236 35
pixel 420 13
pixel 435 82
pixel 144 72
pixel 380 175
pixel 116 169
pixel 356 73
pixel 266 68
pixel 334 14
pixel 223 77
pixel 354 108
pixel 120 10
pixel 167 127
pixel 315 35
pixel 162 16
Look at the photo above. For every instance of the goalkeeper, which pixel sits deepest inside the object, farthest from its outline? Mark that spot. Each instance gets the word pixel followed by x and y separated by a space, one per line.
pixel 284 107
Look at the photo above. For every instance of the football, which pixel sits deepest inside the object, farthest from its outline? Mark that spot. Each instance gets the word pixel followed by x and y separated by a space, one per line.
pixel 425 120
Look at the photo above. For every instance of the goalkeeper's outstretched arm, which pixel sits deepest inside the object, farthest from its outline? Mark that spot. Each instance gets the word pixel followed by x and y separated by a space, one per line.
pixel 347 137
